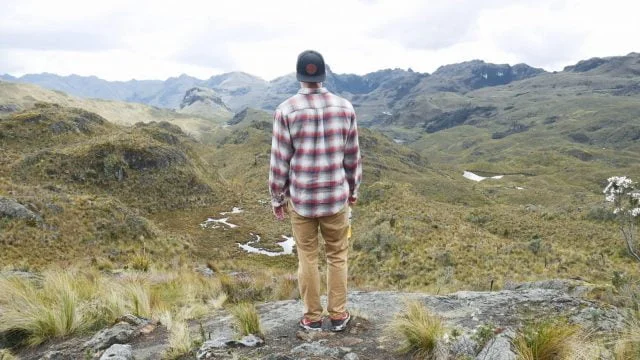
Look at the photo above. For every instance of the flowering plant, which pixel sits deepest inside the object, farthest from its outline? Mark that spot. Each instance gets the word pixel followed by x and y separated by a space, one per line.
pixel 622 192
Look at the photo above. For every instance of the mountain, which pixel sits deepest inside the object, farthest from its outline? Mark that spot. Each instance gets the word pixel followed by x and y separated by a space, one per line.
pixel 375 93
pixel 17 96
pixel 205 103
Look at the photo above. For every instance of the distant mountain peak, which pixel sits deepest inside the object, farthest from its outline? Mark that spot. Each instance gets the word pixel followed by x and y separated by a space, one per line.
pixel 628 65
pixel 203 102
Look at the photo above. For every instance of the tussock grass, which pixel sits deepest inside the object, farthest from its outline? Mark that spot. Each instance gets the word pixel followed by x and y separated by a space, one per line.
pixel 420 330
pixel 7 355
pixel 549 341
pixel 55 308
pixel 180 342
pixel 627 347
pixel 247 320
pixel 65 303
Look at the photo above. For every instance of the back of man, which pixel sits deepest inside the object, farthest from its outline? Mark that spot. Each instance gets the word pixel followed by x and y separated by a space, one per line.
pixel 315 163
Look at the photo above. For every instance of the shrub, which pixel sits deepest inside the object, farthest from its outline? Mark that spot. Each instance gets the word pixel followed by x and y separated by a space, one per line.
pixel 421 331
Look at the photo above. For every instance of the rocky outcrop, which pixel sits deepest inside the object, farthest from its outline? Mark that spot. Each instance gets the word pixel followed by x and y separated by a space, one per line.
pixel 203 102
pixel 469 317
pixel 118 352
pixel 12 209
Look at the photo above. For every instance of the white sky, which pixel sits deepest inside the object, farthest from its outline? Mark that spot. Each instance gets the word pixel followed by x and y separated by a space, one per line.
pixel 125 39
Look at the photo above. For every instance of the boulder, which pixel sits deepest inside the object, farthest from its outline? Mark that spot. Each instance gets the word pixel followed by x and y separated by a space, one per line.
pixel 118 352
pixel 120 333
pixel 12 209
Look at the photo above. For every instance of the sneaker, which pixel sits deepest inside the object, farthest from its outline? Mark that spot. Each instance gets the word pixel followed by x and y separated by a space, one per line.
pixel 340 323
pixel 310 325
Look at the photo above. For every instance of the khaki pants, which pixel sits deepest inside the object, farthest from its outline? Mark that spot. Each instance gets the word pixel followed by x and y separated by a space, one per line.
pixel 334 232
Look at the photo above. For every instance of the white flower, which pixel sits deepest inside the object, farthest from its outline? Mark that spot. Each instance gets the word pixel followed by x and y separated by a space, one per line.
pixel 610 198
pixel 634 212
pixel 617 210
pixel 621 181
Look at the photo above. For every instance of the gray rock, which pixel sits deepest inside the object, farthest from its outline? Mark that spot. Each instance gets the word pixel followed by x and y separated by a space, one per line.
pixel 133 320
pixel 463 346
pixel 8 108
pixel 277 357
pixel 118 352
pixel 351 356
pixel 315 349
pixel 56 355
pixel 120 333
pixel 211 348
pixel 498 348
pixel 248 341
pixel 12 209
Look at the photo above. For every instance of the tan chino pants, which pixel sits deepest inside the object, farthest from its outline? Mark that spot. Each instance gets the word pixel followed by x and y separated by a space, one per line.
pixel 334 230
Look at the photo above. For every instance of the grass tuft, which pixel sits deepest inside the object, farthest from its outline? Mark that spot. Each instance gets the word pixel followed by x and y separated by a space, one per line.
pixel 64 303
pixel 7 355
pixel 420 329
pixel 52 309
pixel 180 342
pixel 627 347
pixel 247 320
pixel 547 341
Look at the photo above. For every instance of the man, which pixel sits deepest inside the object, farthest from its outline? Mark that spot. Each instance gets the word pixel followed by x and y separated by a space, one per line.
pixel 316 169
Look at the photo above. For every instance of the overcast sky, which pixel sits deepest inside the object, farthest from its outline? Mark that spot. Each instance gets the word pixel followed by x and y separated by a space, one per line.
pixel 124 39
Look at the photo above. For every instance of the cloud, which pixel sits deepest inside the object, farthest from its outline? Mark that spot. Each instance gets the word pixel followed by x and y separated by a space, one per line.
pixel 121 39
pixel 56 40
pixel 434 25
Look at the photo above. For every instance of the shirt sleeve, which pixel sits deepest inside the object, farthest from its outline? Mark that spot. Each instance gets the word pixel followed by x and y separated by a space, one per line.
pixel 281 153
pixel 352 161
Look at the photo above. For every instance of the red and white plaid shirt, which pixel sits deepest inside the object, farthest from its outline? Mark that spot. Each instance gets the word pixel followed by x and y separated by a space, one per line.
pixel 315 155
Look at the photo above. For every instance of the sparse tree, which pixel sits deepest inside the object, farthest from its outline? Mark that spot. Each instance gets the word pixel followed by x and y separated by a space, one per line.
pixel 625 196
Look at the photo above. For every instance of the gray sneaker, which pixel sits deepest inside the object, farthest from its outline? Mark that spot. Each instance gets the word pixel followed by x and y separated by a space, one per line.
pixel 340 323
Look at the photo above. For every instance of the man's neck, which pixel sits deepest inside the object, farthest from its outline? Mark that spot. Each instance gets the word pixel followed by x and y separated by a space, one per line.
pixel 310 85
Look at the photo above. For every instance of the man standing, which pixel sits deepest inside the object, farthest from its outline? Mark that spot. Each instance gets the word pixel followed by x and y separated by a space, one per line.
pixel 316 167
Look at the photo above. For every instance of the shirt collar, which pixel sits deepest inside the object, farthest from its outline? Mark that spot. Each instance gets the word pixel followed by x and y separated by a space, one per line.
pixel 307 91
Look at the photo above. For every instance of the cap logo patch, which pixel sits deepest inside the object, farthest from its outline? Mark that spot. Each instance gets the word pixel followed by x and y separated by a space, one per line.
pixel 311 69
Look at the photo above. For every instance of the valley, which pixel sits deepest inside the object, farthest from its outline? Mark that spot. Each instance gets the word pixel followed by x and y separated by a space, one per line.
pixel 472 180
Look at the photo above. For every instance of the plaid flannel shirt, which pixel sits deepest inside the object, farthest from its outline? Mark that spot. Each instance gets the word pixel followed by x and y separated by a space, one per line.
pixel 315 155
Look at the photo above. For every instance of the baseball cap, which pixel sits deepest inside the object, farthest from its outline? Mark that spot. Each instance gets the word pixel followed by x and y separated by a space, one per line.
pixel 310 67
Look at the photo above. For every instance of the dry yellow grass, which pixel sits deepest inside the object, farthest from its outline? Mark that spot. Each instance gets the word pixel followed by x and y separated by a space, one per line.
pixel 420 331
pixel 64 303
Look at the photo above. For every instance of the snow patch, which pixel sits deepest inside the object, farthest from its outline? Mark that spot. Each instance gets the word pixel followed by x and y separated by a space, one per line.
pixel 235 210
pixel 387 113
pixel 471 176
pixel 286 245
pixel 215 223
pixel 399 141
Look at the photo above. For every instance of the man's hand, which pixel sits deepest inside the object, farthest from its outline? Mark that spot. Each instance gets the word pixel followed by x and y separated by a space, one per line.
pixel 352 200
pixel 280 212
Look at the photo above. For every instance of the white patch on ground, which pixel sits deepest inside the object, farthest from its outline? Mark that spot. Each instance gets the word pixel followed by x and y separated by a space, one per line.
pixel 387 113
pixel 519 188
pixel 215 223
pixel 287 246
pixel 235 210
pixel 471 176
pixel 399 141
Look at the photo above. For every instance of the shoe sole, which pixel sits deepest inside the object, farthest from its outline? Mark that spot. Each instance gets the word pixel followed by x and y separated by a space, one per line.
pixel 310 328
pixel 341 327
